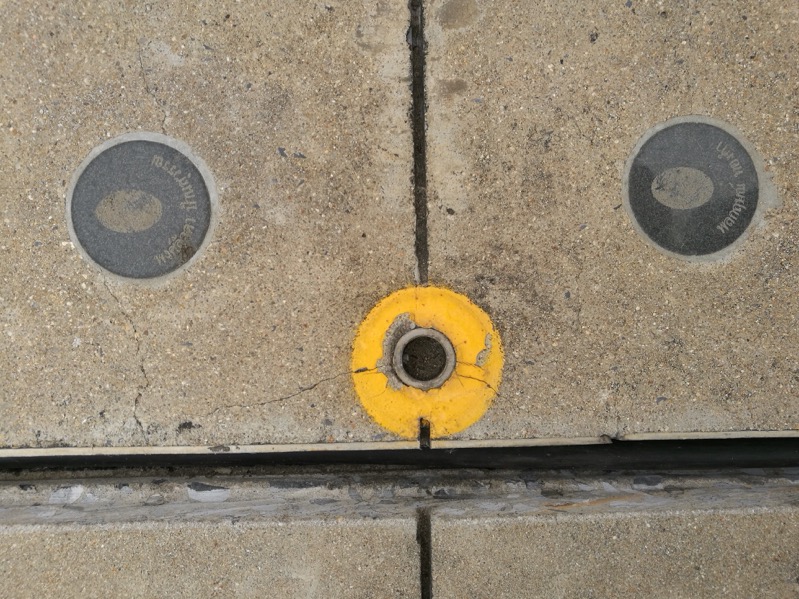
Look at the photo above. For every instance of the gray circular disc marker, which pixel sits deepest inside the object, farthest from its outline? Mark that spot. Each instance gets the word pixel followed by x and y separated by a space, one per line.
pixel 141 206
pixel 693 187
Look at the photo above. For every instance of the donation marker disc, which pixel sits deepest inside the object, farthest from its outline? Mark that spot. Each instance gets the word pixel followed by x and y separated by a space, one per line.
pixel 692 187
pixel 141 206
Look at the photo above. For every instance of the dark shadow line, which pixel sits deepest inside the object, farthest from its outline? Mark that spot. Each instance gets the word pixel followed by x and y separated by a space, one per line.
pixel 424 434
pixel 616 455
pixel 416 42
pixel 424 537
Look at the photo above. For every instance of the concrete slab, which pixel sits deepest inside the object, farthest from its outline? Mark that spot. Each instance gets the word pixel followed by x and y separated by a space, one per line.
pixel 750 553
pixel 246 559
pixel 493 533
pixel 666 535
pixel 300 114
pixel 533 113
pixel 288 534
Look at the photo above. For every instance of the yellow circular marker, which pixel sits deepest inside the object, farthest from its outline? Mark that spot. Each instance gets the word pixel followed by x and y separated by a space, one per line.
pixel 426 353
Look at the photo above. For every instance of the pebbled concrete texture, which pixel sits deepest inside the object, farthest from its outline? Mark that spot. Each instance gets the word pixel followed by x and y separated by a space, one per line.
pixel 749 553
pixel 300 113
pixel 223 559
pixel 532 115
pixel 302 118
pixel 353 531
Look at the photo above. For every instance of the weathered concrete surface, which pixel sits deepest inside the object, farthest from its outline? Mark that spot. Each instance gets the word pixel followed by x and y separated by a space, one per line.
pixel 623 535
pixel 224 559
pixel 533 111
pixel 748 553
pixel 83 498
pixel 300 113
pixel 323 532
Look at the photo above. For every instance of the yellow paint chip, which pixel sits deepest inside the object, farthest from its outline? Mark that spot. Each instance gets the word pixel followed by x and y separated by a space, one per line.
pixel 463 398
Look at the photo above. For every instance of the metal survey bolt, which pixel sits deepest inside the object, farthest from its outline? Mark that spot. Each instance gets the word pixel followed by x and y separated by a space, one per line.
pixel 426 354
pixel 424 358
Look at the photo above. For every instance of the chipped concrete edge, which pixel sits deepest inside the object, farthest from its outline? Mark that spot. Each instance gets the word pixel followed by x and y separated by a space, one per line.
pixel 686 436
pixel 605 439
pixel 36 500
pixel 542 442
pixel 200 450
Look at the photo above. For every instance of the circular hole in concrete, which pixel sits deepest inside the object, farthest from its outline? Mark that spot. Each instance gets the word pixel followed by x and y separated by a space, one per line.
pixel 424 358
pixel 141 206
pixel 692 187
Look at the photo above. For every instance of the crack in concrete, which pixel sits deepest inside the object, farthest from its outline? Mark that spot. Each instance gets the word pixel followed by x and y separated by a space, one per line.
pixel 292 395
pixel 590 140
pixel 141 389
pixel 473 378
pixel 159 103
pixel 306 389
pixel 140 394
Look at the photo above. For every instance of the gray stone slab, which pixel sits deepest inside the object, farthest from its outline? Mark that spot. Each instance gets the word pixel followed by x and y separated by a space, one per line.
pixel 533 113
pixel 300 114
pixel 749 553
pixel 249 559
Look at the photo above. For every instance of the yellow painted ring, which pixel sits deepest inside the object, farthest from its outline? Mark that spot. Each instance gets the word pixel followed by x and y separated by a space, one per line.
pixel 463 398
